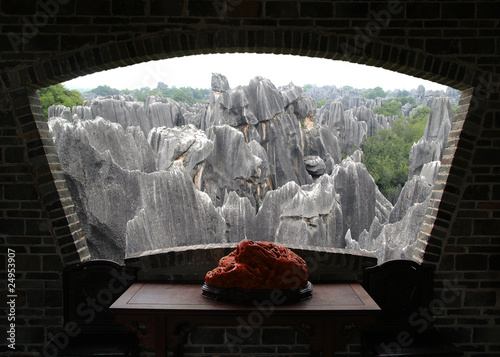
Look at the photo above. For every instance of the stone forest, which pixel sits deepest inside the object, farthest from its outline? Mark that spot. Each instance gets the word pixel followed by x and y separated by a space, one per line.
pixel 256 162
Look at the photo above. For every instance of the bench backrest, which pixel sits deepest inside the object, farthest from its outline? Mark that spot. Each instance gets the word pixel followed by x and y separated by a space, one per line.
pixel 90 288
pixel 401 288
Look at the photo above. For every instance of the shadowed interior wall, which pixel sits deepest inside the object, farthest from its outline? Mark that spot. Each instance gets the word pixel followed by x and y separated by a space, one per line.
pixel 453 43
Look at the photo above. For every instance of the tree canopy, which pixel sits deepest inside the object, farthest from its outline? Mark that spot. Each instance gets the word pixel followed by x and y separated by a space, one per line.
pixel 386 153
pixel 373 93
pixel 185 94
pixel 389 109
pixel 59 95
pixel 105 90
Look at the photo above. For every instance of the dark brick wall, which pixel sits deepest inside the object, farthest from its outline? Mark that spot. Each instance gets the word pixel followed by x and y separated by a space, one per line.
pixel 453 42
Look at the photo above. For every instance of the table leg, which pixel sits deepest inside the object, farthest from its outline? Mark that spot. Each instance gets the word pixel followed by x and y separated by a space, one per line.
pixel 329 340
pixel 160 337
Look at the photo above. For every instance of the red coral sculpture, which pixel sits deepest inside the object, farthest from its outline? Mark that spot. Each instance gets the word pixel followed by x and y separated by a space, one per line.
pixel 259 266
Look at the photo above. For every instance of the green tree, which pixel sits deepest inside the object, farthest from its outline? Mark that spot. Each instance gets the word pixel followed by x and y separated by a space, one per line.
pixel 408 99
pixel 183 95
pixel 320 103
pixel 59 95
pixel 386 153
pixel 389 109
pixel 374 93
pixel 306 87
pixel 386 156
pixel 419 120
pixel 105 90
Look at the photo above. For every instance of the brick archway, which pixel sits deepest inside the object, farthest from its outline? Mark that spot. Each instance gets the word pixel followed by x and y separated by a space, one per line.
pixel 355 49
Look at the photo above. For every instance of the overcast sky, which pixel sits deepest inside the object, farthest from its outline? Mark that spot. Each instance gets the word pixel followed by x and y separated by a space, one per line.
pixel 196 72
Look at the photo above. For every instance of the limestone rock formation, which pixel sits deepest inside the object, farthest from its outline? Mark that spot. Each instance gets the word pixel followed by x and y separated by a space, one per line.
pixel 124 205
pixel 255 162
pixel 359 197
pixel 240 112
pixel 265 101
pixel 172 213
pixel 350 132
pixel 105 194
pixel 239 216
pixel 185 145
pixel 415 191
pixel 420 95
pixel 313 216
pixel 219 83
pixel 128 148
pixel 397 238
pixel 162 112
pixel 232 166
pixel 432 144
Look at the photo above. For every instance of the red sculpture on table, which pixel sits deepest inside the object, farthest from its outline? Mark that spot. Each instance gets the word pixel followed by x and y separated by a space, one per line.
pixel 259 266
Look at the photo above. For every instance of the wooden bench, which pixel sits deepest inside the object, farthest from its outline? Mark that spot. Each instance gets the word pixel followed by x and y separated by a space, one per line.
pixel 89 289
pixel 403 290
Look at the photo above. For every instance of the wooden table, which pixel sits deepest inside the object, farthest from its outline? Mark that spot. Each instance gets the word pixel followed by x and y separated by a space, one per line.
pixel 163 314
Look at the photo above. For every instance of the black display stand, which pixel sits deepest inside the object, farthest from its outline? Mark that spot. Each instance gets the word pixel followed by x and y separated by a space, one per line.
pixel 246 296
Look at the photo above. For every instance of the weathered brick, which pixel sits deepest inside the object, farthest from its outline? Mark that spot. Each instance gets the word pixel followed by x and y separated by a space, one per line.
pixel 480 298
pixel 20 192
pixel 494 262
pixel 13 227
pixel 51 263
pixel 477 192
pixel 207 336
pixel 30 335
pixel 485 227
pixel 278 336
pixel 486 334
pixel 471 262
pixel 316 9
pixel 28 262
pixel 36 227
pixel 251 336
pixel 351 10
pixel 21 7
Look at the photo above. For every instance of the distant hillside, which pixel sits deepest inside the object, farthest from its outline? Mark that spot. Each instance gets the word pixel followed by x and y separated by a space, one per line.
pixel 184 94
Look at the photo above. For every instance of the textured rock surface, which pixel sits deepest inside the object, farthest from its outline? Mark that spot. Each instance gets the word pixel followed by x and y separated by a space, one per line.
pixel 313 216
pixel 123 206
pixel 184 145
pixel 233 166
pixel 432 144
pixel 265 101
pixel 254 162
pixel 239 216
pixel 106 195
pixel 398 238
pixel 350 132
pixel 173 213
pixel 359 199
pixel 219 83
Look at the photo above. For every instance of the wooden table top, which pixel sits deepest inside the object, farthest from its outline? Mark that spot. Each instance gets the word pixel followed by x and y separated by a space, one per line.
pixel 172 298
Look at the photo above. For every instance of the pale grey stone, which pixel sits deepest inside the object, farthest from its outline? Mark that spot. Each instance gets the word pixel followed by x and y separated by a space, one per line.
pixel 185 144
pixel 240 218
pixel 219 83
pixel 240 112
pixel 432 144
pixel 265 101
